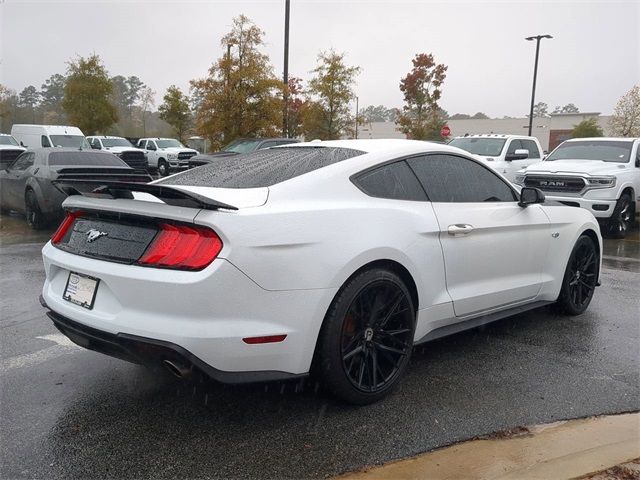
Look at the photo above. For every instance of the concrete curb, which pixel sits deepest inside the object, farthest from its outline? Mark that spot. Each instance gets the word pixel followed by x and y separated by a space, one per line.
pixel 561 450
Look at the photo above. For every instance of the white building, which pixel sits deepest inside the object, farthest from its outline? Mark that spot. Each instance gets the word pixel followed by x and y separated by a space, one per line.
pixel 551 131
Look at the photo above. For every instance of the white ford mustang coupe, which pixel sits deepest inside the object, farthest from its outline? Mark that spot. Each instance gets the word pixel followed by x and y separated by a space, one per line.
pixel 333 257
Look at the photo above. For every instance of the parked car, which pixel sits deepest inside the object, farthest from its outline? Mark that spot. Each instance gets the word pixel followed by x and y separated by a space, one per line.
pixel 166 154
pixel 26 185
pixel 336 257
pixel 506 154
pixel 241 145
pixel 46 136
pixel 599 174
pixel 9 150
pixel 122 148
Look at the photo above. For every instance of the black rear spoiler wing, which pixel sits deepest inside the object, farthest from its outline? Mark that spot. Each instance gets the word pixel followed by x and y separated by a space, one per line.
pixel 168 194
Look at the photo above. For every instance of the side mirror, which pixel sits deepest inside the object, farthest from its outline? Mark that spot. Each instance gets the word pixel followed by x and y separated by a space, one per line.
pixel 529 196
pixel 519 154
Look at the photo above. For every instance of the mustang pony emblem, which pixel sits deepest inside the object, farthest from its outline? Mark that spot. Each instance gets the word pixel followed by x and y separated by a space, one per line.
pixel 93 235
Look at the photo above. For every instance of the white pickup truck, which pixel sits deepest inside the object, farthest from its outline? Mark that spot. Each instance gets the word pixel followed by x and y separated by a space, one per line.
pixel 166 154
pixel 506 154
pixel 599 174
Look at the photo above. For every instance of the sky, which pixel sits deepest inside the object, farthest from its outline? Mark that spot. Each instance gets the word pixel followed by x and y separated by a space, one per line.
pixel 593 59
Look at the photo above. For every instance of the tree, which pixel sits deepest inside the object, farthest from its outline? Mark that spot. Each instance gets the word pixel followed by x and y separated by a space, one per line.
pixel 8 107
pixel 147 101
pixel 86 95
pixel 378 113
pixel 51 96
pixel 421 117
pixel 568 108
pixel 295 103
pixel 480 116
pixel 327 111
pixel 241 96
pixel 587 128
pixel 175 111
pixel 625 121
pixel 460 116
pixel 29 99
pixel 540 110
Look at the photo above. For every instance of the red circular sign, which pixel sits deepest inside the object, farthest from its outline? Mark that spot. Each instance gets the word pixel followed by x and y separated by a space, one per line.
pixel 445 131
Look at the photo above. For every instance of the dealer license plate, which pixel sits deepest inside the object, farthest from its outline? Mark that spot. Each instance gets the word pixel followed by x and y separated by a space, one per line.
pixel 81 290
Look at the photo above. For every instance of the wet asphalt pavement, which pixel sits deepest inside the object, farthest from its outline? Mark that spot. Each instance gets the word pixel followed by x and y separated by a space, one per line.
pixel 66 412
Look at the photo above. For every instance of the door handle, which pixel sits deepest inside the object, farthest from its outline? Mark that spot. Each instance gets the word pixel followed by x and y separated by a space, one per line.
pixel 460 229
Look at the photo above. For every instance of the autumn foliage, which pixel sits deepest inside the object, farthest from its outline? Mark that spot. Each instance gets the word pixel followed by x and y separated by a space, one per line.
pixel 422 87
pixel 241 96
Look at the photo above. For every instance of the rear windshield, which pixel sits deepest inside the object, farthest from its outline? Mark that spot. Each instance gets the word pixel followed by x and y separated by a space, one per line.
pixel 85 158
pixel 487 147
pixel 262 168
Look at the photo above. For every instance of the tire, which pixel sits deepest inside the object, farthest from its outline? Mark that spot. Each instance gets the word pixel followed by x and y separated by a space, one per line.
pixel 35 218
pixel 622 219
pixel 366 339
pixel 580 278
pixel 163 168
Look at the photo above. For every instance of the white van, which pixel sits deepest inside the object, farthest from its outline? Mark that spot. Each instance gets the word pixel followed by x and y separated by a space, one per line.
pixel 36 136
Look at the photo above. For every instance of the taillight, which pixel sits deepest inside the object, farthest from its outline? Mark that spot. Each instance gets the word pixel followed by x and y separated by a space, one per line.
pixel 64 227
pixel 182 247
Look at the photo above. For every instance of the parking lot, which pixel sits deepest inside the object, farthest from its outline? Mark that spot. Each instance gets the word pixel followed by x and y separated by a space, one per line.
pixel 75 413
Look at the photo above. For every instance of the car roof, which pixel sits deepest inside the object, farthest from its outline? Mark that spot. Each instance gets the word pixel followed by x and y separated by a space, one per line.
pixel 391 146
pixel 603 139
pixel 496 135
pixel 104 136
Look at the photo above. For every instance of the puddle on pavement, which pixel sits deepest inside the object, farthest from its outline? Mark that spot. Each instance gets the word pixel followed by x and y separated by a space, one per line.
pixel 14 229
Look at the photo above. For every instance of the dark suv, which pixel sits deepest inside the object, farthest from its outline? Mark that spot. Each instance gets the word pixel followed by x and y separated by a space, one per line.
pixel 241 145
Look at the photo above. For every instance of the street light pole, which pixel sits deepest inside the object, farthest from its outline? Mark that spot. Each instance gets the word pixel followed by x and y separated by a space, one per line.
pixel 285 113
pixel 537 38
pixel 356 118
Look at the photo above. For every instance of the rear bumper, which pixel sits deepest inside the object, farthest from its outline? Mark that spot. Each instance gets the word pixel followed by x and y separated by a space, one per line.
pixel 153 353
pixel 206 313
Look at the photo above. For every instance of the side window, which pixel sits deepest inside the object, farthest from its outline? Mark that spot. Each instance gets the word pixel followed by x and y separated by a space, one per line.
pixel 44 141
pixel 151 145
pixel 24 161
pixel 514 145
pixel 449 178
pixel 530 145
pixel 395 180
pixel 271 143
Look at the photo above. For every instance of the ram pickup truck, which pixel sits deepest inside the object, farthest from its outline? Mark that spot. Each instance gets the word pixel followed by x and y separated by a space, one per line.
pixel 506 154
pixel 599 174
pixel 166 154
pixel 122 148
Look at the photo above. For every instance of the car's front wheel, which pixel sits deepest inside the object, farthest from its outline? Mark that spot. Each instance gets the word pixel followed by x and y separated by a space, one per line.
pixel 367 337
pixel 35 217
pixel 580 277
pixel 622 218
pixel 163 168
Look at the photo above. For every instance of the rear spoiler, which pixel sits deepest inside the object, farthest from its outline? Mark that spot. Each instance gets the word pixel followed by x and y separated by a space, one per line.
pixel 168 194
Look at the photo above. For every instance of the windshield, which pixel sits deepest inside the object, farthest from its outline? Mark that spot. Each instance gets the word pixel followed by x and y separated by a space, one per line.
pixel 242 146
pixel 169 143
pixel 116 142
pixel 487 147
pixel 69 141
pixel 606 151
pixel 8 140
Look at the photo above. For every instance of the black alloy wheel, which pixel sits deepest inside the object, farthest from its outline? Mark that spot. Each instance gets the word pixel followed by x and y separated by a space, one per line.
pixel 367 338
pixel 622 218
pixel 35 218
pixel 581 277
